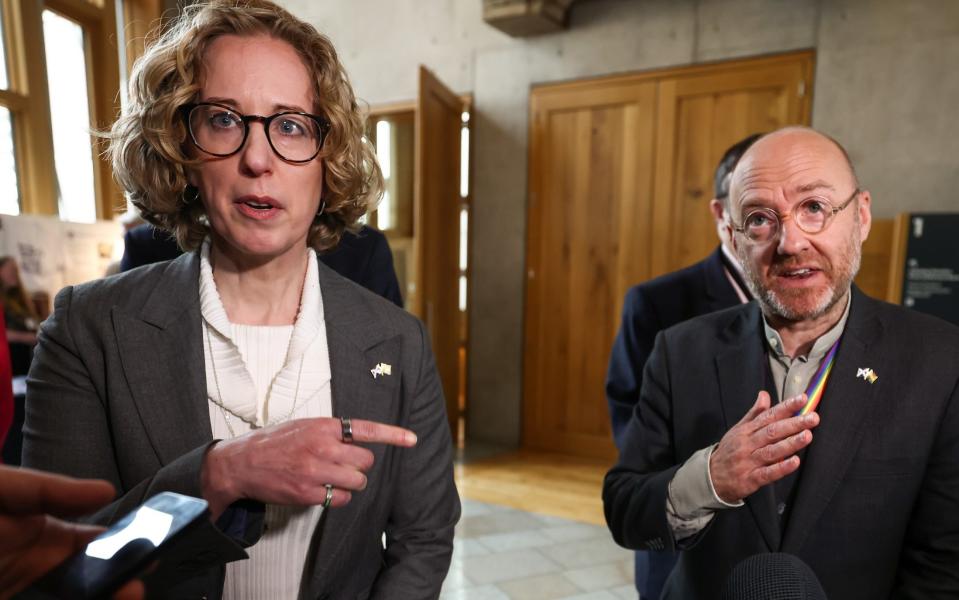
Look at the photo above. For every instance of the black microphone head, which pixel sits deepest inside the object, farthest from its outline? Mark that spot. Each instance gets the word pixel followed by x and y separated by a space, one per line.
pixel 773 576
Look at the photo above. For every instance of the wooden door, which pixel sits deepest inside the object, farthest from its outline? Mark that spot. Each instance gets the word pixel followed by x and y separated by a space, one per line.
pixel 702 112
pixel 591 158
pixel 621 175
pixel 436 217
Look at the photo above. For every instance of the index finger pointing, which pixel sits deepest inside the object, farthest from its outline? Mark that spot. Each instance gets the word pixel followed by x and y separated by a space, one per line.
pixel 378 433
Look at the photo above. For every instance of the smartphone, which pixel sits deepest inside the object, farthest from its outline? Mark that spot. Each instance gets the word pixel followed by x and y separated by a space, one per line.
pixel 125 549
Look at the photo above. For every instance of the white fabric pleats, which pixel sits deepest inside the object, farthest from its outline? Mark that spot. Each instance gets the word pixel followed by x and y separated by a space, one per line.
pixel 256 376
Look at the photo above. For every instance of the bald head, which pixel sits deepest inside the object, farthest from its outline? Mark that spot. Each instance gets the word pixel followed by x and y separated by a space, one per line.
pixel 784 145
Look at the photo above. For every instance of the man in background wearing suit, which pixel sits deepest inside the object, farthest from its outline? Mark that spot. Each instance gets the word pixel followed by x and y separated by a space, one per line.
pixel 816 422
pixel 709 285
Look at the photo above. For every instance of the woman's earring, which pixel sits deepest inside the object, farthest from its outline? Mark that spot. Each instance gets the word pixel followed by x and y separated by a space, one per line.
pixel 188 195
pixel 319 213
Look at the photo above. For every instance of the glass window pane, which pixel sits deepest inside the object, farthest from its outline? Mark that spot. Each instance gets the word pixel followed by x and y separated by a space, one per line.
pixel 9 190
pixel 70 115
pixel 464 226
pixel 384 156
pixel 4 82
pixel 122 53
pixel 465 160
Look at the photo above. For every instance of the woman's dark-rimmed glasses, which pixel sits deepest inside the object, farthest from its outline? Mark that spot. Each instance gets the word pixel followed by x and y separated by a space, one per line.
pixel 812 215
pixel 217 129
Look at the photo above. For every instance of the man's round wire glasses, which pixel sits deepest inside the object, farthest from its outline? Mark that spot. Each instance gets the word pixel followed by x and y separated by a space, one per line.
pixel 216 129
pixel 812 215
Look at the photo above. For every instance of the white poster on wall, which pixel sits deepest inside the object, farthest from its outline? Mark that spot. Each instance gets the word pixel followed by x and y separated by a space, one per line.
pixel 88 249
pixel 53 254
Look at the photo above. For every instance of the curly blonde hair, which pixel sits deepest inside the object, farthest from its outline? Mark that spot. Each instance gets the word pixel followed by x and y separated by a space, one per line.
pixel 146 144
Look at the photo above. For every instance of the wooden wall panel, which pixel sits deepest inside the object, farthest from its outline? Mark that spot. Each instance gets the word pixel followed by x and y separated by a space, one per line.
pixel 878 262
pixel 701 113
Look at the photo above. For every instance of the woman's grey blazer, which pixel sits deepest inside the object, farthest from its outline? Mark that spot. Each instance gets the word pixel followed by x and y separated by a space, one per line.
pixel 118 391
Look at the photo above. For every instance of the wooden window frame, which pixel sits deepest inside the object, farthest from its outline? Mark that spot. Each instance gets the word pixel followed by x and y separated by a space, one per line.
pixel 28 98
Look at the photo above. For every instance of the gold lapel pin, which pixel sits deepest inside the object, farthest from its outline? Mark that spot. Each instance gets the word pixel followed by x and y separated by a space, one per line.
pixel 867 374
pixel 381 369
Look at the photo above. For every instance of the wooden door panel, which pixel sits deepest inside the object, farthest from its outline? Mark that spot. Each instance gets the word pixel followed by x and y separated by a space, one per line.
pixel 700 116
pixel 584 147
pixel 436 229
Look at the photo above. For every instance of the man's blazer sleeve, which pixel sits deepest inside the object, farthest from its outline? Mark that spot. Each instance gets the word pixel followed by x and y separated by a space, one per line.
pixel 632 347
pixel 382 273
pixel 635 489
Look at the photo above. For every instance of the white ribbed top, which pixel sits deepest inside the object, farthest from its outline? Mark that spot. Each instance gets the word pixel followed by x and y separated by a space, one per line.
pixel 264 373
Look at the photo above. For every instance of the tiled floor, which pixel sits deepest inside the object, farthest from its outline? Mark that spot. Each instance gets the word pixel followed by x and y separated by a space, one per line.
pixel 503 553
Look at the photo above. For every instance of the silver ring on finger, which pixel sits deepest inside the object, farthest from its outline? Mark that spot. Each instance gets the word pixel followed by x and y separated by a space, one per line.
pixel 347 427
pixel 329 496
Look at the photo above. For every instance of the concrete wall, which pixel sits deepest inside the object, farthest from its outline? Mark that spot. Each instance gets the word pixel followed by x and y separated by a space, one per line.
pixel 886 85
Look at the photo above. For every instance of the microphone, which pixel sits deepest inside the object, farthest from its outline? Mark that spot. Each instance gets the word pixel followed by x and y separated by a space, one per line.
pixel 774 576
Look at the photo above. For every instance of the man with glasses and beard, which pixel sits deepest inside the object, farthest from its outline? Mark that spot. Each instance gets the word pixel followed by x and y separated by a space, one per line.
pixel 817 422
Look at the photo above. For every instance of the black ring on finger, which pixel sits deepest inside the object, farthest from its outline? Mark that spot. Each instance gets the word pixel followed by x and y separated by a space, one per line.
pixel 347 427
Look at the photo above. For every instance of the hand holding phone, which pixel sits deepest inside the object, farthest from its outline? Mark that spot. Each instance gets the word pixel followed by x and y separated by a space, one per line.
pixel 32 539
pixel 125 549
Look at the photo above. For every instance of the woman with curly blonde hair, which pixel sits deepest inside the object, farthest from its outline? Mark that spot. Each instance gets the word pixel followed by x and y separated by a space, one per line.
pixel 245 371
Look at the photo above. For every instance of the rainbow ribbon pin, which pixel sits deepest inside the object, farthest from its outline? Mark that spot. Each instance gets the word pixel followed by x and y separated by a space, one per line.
pixel 818 384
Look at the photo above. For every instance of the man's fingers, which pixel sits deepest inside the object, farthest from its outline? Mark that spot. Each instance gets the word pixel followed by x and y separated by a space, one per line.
pixel 783 410
pixel 775 472
pixel 782 429
pixel 31 492
pixel 378 433
pixel 775 452
pixel 759 406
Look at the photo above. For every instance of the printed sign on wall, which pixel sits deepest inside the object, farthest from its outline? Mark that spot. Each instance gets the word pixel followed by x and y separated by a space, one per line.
pixel 931 279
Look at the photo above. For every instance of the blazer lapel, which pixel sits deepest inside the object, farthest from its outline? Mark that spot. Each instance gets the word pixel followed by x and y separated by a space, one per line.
pixel 741 370
pixel 161 354
pixel 357 344
pixel 843 411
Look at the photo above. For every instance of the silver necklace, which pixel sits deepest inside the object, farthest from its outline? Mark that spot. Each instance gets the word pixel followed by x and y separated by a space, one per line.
pixel 269 392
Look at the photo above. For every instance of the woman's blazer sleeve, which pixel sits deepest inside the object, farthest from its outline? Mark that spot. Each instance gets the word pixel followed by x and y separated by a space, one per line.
pixel 68 427
pixel 426 505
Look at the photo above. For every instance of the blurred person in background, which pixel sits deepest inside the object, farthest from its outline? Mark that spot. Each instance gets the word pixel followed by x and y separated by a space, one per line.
pixel 6 391
pixel 20 314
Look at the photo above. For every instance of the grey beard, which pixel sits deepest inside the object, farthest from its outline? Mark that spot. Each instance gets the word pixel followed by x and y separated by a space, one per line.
pixel 772 305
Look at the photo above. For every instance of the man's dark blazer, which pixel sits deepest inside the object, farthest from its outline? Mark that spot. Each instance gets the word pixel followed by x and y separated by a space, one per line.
pixel 145 245
pixel 876 505
pixel 363 257
pixel 118 391
pixel 651 307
